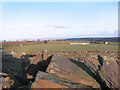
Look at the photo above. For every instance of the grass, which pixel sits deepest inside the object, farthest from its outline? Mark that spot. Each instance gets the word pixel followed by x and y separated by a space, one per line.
pixel 54 47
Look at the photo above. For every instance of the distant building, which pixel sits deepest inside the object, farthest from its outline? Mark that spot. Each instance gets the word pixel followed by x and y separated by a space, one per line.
pixel 80 43
pixel 106 43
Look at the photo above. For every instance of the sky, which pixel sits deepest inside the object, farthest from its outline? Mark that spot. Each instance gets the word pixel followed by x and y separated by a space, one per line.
pixel 55 20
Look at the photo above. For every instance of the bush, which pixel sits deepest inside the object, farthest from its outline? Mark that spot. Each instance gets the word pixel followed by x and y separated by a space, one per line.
pixel 45 41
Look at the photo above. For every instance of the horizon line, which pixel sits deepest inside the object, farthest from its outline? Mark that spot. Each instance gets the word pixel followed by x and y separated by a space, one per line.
pixel 42 39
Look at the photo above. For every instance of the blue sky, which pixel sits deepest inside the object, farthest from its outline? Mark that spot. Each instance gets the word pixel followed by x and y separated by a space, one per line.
pixel 51 20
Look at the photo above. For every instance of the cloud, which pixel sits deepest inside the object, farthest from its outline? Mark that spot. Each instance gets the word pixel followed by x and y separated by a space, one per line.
pixel 57 26
pixel 33 30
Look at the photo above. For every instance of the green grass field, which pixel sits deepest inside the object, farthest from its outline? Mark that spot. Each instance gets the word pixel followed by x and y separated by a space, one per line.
pixel 54 47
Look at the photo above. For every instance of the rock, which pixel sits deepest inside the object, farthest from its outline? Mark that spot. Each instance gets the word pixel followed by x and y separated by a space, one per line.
pixel 3 74
pixel 46 84
pixel 45 54
pixel 40 66
pixel 103 66
pixel 66 68
pixel 109 73
pixel 19 54
pixel 30 76
pixel 43 82
pixel 63 70
pixel 7 82
pixel 47 80
pixel 15 70
pixel 36 59
pixel 105 69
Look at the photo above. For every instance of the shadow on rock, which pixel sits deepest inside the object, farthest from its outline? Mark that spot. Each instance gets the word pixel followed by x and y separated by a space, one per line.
pixel 100 59
pixel 16 69
pixel 95 75
pixel 40 66
pixel 19 70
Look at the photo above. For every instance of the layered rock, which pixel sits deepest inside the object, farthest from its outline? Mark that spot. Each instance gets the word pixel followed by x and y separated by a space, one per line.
pixel 102 66
pixel 44 81
pixel 63 67
pixel 47 80
pixel 61 70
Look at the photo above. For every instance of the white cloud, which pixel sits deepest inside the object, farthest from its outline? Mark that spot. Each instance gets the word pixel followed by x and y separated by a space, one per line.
pixel 28 30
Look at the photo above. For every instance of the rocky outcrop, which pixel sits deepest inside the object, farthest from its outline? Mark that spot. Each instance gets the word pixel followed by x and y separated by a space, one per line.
pixel 109 72
pixel 39 57
pixel 15 69
pixel 7 82
pixel 47 80
pixel 102 66
pixel 61 70
pixel 62 67
pixel 44 80
pixel 23 70
pixel 36 59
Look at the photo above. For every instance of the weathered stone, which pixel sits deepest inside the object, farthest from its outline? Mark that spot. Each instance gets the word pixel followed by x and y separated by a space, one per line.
pixel 109 72
pixel 45 54
pixel 18 54
pixel 53 81
pixel 66 68
pixel 46 84
pixel 7 82
pixel 103 66
pixel 36 59
pixel 43 81
pixel 15 70
pixel 30 76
